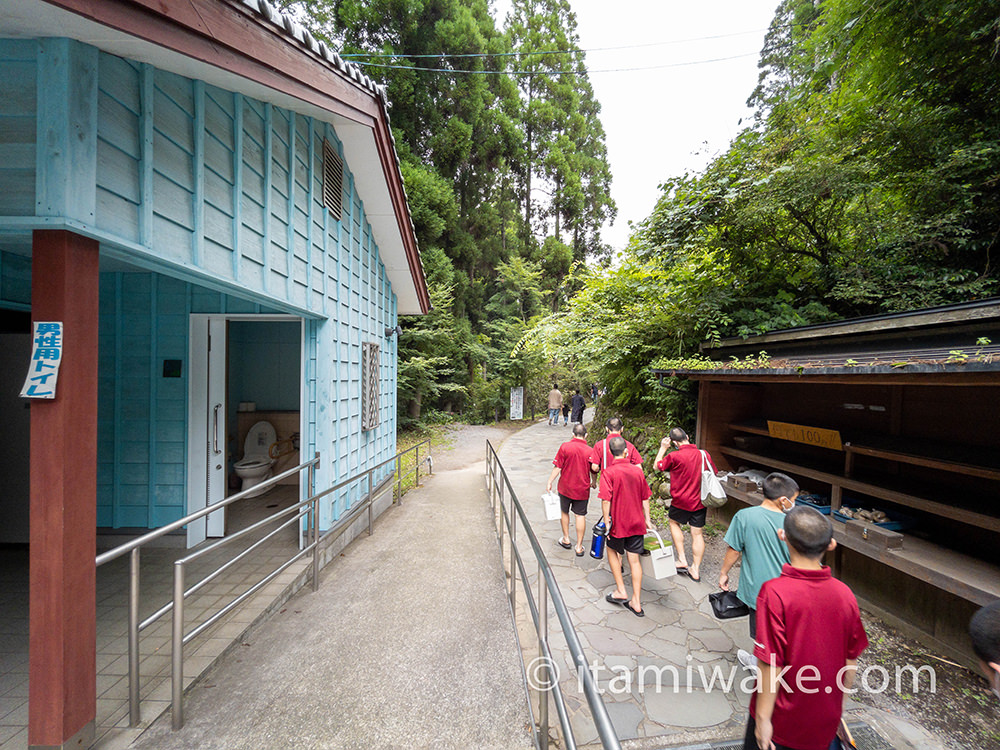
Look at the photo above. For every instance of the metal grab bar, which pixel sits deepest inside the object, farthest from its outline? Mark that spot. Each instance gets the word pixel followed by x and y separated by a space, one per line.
pixel 548 588
pixel 308 509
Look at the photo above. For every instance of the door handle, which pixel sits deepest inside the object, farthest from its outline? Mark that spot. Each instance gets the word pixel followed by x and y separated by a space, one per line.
pixel 215 429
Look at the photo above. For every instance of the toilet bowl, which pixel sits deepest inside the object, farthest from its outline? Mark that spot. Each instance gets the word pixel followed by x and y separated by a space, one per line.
pixel 255 466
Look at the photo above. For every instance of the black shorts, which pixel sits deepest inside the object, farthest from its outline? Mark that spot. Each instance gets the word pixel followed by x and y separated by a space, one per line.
pixel 694 518
pixel 624 544
pixel 579 506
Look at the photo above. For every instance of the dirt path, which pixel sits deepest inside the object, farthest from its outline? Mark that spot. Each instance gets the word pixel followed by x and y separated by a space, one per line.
pixel 456 446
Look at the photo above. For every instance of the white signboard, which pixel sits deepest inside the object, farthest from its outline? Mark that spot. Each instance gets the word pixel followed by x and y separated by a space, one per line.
pixel 517 402
pixel 46 356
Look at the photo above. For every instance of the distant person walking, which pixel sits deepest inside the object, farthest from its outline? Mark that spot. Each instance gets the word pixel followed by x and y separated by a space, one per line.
pixel 555 404
pixel 601 455
pixel 624 495
pixel 565 413
pixel 809 637
pixel 684 465
pixel 572 466
pixel 753 535
pixel 577 405
pixel 984 628
pixel 593 392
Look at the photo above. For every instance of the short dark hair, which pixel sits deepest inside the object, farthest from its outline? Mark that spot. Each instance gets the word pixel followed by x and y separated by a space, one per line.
pixel 615 424
pixel 678 435
pixel 778 485
pixel 984 628
pixel 579 430
pixel 808 531
pixel 617 446
pixel 556 386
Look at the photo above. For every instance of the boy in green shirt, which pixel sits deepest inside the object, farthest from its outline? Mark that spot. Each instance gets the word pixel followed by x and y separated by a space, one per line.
pixel 753 535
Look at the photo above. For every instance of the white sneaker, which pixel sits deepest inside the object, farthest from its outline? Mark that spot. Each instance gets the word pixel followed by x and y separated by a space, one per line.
pixel 747 659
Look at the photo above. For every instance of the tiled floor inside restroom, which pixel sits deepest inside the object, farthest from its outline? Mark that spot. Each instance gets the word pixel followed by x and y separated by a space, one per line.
pixel 154 644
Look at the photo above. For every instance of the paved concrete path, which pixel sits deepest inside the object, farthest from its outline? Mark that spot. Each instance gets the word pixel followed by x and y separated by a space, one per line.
pixel 408 643
pixel 670 678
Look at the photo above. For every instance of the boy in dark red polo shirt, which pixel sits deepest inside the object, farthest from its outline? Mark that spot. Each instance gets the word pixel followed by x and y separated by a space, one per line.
pixel 599 456
pixel 809 637
pixel 572 466
pixel 624 497
pixel 685 467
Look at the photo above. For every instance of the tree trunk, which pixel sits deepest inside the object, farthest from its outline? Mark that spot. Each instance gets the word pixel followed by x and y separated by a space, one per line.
pixel 413 408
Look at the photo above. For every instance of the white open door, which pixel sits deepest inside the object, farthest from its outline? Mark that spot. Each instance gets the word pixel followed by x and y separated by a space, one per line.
pixel 207 425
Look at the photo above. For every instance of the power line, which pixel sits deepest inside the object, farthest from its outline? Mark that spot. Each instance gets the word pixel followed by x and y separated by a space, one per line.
pixel 552 72
pixel 353 55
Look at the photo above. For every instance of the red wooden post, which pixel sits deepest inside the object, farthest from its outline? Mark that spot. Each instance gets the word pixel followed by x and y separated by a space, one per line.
pixel 62 702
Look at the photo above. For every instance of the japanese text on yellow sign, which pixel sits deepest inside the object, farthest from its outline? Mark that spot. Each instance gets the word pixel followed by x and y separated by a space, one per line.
pixel 809 435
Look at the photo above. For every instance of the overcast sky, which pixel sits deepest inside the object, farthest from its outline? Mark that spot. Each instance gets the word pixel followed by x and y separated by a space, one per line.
pixel 662 122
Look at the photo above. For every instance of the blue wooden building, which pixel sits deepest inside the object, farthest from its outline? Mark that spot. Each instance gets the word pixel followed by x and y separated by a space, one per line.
pixel 209 201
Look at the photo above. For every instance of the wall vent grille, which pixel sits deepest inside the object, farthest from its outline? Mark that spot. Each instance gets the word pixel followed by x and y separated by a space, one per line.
pixel 333 180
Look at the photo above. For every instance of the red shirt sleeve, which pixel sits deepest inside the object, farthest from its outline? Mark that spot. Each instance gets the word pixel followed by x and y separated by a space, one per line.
pixel 633 454
pixel 857 641
pixel 560 459
pixel 666 463
pixel 770 646
pixel 605 490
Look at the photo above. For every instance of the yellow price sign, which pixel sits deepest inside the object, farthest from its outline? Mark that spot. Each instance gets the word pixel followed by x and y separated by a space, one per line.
pixel 798 433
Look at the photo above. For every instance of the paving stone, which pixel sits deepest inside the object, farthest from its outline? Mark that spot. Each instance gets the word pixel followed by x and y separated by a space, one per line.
pixel 601 578
pixel 659 614
pixel 714 640
pixel 607 641
pixel 626 718
pixel 680 708
pixel 626 622
pixel 658 647
pixel 695 621
pixel 588 613
pixel 583 727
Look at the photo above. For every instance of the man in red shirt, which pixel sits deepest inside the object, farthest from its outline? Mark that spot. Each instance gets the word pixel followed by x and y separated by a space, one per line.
pixel 809 637
pixel 684 465
pixel 572 466
pixel 600 456
pixel 624 497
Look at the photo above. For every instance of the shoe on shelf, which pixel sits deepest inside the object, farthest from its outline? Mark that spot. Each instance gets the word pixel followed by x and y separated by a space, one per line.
pixel 747 659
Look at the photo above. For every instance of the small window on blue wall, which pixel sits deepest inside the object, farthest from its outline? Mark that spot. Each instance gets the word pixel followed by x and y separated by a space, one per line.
pixel 369 385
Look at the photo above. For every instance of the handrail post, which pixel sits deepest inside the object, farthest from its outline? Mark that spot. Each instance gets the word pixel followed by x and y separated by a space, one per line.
pixel 513 568
pixel 177 651
pixel 543 636
pixel 399 479
pixel 416 468
pixel 500 501
pixel 371 499
pixel 134 717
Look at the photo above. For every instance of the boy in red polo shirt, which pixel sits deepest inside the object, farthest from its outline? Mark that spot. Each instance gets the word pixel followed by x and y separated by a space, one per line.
pixel 809 637
pixel 624 497
pixel 572 467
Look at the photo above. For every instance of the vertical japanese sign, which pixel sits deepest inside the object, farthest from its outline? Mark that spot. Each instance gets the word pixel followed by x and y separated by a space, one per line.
pixel 46 356
pixel 517 402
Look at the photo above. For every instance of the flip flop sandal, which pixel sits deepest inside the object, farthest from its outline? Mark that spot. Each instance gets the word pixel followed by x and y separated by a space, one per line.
pixel 565 545
pixel 615 600
pixel 637 613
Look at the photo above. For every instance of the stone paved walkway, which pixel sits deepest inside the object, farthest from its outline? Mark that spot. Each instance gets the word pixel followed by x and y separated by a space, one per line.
pixel 670 678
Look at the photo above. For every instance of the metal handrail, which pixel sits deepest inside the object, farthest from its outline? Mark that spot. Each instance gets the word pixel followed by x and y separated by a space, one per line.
pixel 548 587
pixel 307 509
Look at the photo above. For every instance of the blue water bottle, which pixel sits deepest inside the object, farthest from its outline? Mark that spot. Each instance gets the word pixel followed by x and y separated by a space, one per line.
pixel 597 543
